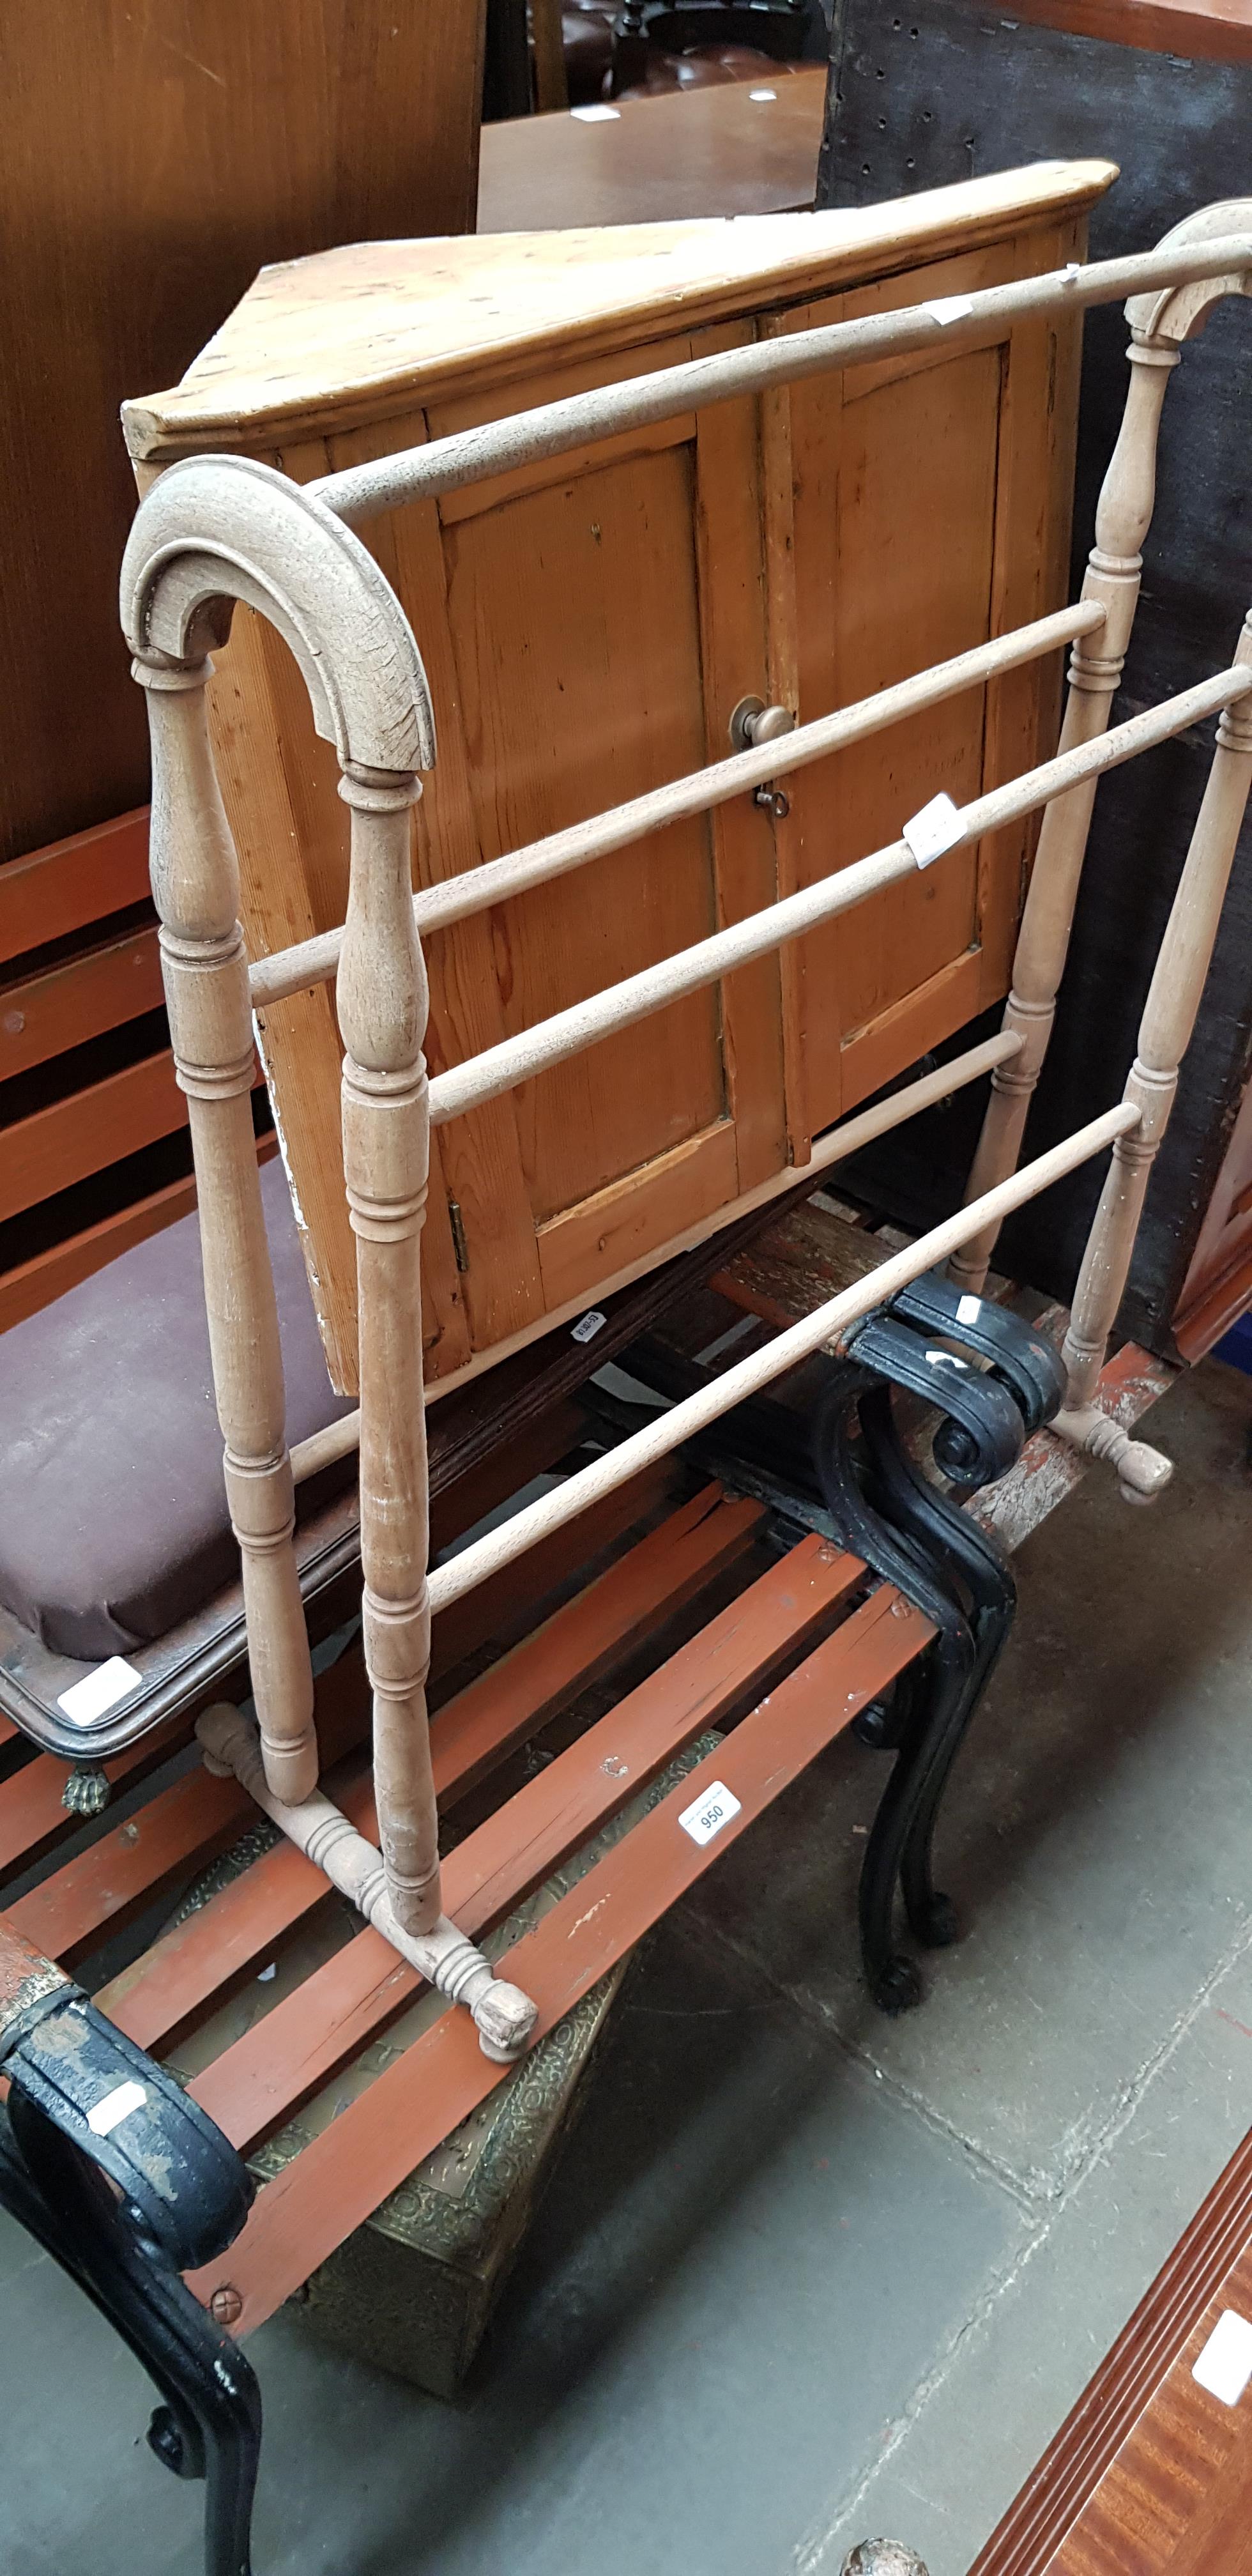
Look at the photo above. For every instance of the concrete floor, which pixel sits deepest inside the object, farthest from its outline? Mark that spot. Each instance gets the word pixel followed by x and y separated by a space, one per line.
pixel 807 2274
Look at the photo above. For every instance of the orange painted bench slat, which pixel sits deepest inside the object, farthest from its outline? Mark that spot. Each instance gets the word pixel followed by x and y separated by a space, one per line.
pixel 67 1004
pixel 256 2084
pixel 342 2175
pixel 183 1972
pixel 73 883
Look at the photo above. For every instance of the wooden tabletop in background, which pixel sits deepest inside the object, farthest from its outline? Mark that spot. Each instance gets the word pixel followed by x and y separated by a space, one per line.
pixel 716 151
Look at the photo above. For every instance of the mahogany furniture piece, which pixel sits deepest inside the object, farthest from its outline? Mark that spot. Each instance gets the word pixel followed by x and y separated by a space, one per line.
pixel 285 129
pixel 1151 2472
pixel 918 98
pixel 1203 30
pixel 715 151
pixel 592 623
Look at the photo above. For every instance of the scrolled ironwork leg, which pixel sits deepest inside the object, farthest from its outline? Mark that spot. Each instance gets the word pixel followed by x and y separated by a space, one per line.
pixel 127 2183
pixel 915 1535
pixel 972 1562
pixel 935 1695
pixel 209 2422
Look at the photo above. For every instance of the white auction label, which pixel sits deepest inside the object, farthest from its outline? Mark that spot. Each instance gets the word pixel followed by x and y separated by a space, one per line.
pixel 937 828
pixel 1225 2365
pixel 116 2106
pixel 588 1325
pixel 100 1691
pixel 949 308
pixel 707 1814
pixel 968 1310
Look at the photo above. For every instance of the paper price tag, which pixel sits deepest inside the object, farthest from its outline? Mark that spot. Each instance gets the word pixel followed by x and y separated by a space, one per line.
pixel 937 828
pixel 949 308
pixel 968 1310
pixel 1225 2365
pixel 98 1692
pixel 706 1815
pixel 587 1326
pixel 596 115
pixel 115 2106
pixel 762 93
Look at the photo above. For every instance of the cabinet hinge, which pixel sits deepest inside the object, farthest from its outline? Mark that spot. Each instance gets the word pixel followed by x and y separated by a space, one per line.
pixel 459 1244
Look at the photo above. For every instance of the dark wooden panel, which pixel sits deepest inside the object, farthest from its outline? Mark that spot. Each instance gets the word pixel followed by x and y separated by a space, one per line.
pixel 154 160
pixel 919 98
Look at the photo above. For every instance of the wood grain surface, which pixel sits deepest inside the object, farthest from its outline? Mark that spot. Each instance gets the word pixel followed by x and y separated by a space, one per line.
pixel 1151 2474
pixel 352 335
pixel 711 151
pixel 153 161
pixel 1203 30
pixel 589 622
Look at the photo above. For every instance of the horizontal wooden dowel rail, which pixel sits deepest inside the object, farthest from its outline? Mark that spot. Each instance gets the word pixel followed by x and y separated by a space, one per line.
pixel 339 1439
pixel 359 492
pixel 313 961
pixel 517 1059
pixel 553 1511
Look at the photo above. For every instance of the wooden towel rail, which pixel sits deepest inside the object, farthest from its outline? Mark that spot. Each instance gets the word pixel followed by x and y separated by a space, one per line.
pixel 213 531
pixel 360 491
pixel 292 970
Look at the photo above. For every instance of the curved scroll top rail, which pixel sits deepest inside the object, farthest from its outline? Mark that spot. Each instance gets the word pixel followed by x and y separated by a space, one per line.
pixel 215 529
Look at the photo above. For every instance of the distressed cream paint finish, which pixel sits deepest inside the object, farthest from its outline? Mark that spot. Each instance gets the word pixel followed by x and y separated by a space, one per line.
pixel 212 531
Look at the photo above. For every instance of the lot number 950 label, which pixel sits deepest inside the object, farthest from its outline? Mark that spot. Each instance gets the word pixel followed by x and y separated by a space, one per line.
pixel 707 1814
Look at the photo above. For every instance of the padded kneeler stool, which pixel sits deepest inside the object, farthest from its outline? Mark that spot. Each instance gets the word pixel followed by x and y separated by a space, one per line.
pixel 120 1600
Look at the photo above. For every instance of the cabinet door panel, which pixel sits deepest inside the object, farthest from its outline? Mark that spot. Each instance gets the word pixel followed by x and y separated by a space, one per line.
pixel 926 494
pixel 574 622
pixel 588 624
pixel 903 478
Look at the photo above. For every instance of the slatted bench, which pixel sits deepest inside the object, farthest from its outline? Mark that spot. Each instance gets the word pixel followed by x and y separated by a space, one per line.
pixel 517 1729
pixel 806 1611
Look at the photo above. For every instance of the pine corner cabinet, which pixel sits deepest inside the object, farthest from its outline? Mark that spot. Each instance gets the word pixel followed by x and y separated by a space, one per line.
pixel 589 625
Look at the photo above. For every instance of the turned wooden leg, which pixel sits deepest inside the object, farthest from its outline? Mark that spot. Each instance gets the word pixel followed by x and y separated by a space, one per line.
pixel 1169 1017
pixel 503 2015
pixel 195 886
pixel 382 1002
pixel 1112 580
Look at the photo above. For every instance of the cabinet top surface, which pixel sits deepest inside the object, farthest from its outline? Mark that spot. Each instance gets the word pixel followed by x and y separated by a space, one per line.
pixel 350 334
